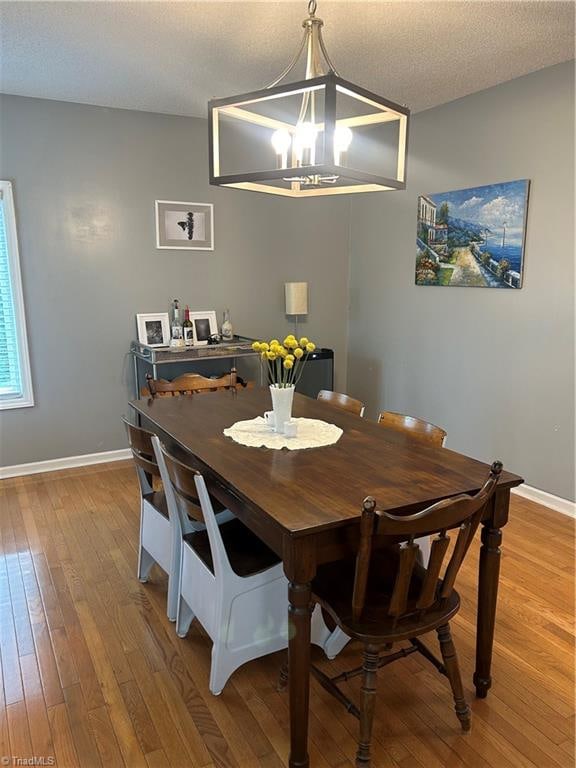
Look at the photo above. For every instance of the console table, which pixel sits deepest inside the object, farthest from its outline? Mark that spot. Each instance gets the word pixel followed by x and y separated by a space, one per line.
pixel 154 357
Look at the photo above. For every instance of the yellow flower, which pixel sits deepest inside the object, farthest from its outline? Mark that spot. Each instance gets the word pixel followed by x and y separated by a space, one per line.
pixel 310 347
pixel 271 355
pixel 290 357
pixel 281 351
pixel 264 346
pixel 288 364
pixel 303 342
pixel 298 353
pixel 263 355
pixel 274 343
pixel 256 346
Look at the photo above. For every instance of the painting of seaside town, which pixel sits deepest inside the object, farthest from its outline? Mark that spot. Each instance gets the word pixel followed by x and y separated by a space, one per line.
pixel 473 237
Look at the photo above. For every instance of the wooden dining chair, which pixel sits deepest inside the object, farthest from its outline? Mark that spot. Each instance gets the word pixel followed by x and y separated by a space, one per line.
pixel 385 596
pixel 412 427
pixel 344 402
pixel 190 384
pixel 423 432
pixel 229 580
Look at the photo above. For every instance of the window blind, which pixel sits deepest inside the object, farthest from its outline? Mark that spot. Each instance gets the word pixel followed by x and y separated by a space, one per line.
pixel 10 380
pixel 15 382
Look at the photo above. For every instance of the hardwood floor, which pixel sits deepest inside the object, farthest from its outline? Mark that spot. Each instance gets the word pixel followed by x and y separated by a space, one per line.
pixel 92 673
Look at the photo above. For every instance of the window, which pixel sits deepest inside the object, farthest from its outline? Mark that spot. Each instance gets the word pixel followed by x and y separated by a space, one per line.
pixel 15 380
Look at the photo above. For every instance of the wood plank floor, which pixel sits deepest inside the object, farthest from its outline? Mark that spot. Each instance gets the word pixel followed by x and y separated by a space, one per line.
pixel 92 673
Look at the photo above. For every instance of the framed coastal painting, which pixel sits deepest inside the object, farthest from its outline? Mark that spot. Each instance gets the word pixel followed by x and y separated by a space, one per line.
pixel 184 226
pixel 474 237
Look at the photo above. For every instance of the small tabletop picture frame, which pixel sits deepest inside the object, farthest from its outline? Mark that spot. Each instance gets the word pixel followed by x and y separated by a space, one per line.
pixel 204 325
pixel 153 329
pixel 184 226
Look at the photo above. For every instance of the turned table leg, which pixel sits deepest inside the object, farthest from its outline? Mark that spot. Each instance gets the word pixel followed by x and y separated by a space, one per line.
pixel 299 556
pixel 488 590
pixel 299 614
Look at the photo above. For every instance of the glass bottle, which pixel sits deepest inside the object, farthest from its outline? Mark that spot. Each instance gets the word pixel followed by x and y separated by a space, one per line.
pixel 188 328
pixel 176 339
pixel 227 330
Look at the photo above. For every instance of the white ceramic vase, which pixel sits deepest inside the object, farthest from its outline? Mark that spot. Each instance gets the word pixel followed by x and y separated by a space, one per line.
pixel 282 398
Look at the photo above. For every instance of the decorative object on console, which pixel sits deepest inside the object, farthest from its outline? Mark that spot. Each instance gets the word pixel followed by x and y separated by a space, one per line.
pixel 227 330
pixel 284 364
pixel 153 329
pixel 177 330
pixel 296 299
pixel 473 237
pixel 321 135
pixel 204 326
pixel 188 328
pixel 184 226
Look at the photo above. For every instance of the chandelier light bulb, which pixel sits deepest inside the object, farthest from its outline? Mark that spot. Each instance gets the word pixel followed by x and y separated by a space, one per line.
pixel 281 141
pixel 342 139
pixel 306 135
pixel 305 143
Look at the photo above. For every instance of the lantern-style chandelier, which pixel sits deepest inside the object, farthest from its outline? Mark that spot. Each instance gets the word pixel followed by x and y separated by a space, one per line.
pixel 319 136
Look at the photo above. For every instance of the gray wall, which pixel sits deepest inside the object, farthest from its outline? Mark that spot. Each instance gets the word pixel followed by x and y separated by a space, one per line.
pixel 85 181
pixel 494 367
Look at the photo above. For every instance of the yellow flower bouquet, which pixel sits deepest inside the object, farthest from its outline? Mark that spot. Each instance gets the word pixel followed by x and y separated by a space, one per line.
pixel 284 364
pixel 284 361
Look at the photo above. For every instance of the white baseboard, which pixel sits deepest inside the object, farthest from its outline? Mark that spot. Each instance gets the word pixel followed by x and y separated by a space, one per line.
pixel 67 462
pixel 557 503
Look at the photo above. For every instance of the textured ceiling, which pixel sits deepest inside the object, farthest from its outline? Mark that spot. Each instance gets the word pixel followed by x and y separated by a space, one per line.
pixel 172 57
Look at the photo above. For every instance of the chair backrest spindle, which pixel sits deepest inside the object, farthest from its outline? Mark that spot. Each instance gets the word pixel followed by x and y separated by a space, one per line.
pixel 408 552
pixel 437 554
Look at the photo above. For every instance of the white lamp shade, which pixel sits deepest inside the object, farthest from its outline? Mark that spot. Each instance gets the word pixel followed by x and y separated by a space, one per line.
pixel 296 298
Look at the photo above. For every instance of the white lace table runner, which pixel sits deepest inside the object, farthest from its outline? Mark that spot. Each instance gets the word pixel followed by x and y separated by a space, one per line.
pixel 312 433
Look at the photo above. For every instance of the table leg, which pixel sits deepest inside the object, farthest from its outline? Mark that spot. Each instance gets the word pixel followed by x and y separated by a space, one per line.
pixel 488 591
pixel 299 614
pixel 299 556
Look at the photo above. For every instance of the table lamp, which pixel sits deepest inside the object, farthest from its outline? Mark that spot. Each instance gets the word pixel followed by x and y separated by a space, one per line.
pixel 296 296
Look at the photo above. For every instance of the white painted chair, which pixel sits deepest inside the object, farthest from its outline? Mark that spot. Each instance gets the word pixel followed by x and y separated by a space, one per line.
pixel 230 580
pixel 160 541
pixel 156 535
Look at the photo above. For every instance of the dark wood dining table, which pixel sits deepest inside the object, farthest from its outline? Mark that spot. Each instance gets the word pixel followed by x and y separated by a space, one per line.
pixel 306 504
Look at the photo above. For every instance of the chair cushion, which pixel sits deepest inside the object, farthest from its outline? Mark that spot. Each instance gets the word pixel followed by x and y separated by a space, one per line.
pixel 246 552
pixel 333 586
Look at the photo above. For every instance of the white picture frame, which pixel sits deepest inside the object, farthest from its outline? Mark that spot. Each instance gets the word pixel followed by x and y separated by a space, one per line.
pixel 182 226
pixel 204 325
pixel 153 329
